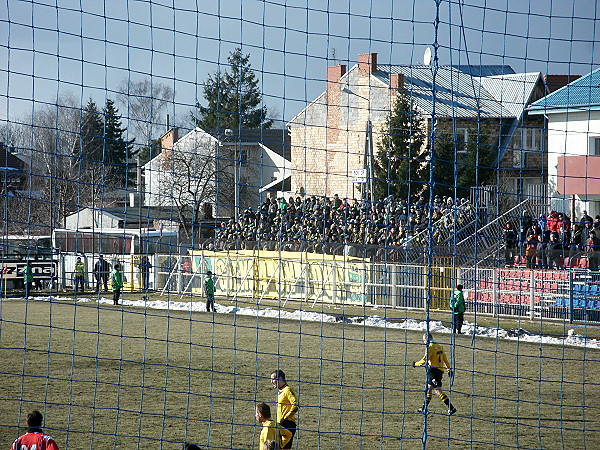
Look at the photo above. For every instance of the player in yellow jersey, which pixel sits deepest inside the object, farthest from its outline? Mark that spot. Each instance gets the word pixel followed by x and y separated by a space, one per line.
pixel 287 404
pixel 271 432
pixel 436 363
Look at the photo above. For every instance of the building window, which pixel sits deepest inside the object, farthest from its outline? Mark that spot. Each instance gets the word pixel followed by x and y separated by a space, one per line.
pixel 531 139
pixel 461 135
pixel 519 158
pixel 461 138
pixel 526 139
pixel 595 146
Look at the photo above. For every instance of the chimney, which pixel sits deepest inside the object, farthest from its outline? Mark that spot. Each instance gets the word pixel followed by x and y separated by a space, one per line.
pixel 555 82
pixel 367 63
pixel 396 81
pixel 334 73
pixel 169 138
pixel 166 143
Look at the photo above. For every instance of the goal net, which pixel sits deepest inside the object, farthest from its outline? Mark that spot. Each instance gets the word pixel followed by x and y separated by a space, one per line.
pixel 379 218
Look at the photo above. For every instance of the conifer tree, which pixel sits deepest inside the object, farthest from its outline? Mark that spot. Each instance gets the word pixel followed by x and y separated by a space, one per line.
pixel 117 147
pixel 443 177
pixel 92 132
pixel 479 163
pixel 399 167
pixel 233 98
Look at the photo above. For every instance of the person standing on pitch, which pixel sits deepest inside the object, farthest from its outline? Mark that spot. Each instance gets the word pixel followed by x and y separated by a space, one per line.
pixel 287 404
pixel 145 267
pixel 209 290
pixel 79 276
pixel 436 362
pixel 28 278
pixel 35 437
pixel 270 431
pixel 457 304
pixel 101 271
pixel 117 282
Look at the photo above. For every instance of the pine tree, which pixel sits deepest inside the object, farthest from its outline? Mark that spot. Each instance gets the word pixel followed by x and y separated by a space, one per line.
pixel 444 177
pixel 398 167
pixel 233 98
pixel 92 132
pixel 479 163
pixel 117 147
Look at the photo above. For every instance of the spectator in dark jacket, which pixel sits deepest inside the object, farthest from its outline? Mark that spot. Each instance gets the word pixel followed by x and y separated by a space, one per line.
pixel 596 224
pixel 586 220
pixel 576 240
pixel 593 250
pixel 525 224
pixel 554 252
pixel 510 243
pixel 565 232
pixel 540 251
pixel 586 224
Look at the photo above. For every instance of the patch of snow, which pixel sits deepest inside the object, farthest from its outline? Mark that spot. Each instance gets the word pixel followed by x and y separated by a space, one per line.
pixel 571 339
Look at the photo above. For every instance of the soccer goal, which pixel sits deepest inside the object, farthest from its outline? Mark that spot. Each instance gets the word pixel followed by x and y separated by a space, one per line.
pixel 330 225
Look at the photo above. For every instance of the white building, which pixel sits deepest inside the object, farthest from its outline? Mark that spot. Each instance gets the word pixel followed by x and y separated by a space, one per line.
pixel 217 174
pixel 573 122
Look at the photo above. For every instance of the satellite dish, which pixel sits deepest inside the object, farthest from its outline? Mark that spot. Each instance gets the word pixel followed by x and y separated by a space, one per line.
pixel 427 56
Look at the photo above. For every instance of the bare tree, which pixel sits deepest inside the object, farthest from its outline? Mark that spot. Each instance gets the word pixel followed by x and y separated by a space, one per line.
pixel 143 104
pixel 194 177
pixel 24 209
pixel 63 179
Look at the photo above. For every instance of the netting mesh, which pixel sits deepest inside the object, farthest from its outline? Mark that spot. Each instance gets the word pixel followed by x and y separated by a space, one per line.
pixel 198 195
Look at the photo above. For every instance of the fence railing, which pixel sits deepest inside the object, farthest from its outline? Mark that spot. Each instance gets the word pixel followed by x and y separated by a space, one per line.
pixel 571 293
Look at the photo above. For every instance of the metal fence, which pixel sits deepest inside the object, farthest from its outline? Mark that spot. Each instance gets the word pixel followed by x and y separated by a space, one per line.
pixel 572 294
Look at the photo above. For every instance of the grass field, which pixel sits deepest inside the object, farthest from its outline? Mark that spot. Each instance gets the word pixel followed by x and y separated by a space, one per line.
pixel 113 377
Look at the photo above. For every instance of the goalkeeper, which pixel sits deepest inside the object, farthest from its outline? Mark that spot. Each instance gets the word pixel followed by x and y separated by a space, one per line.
pixel 436 362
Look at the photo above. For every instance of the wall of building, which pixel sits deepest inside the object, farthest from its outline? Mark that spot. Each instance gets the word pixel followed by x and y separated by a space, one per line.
pixel 183 168
pixel 88 218
pixel 329 138
pixel 569 135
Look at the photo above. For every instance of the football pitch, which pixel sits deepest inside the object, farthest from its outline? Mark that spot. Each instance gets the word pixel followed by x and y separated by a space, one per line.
pixel 119 377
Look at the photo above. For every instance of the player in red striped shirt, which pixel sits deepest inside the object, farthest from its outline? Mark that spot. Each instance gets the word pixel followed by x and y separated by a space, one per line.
pixel 34 439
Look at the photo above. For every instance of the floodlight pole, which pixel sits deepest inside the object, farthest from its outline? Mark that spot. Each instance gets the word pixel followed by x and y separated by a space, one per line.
pixel 238 169
pixel 368 160
pixel 369 156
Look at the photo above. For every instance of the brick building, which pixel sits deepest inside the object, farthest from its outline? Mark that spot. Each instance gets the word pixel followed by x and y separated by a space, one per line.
pixel 329 138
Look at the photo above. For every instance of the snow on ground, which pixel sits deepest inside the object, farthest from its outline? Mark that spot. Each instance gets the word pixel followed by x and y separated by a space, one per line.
pixel 572 338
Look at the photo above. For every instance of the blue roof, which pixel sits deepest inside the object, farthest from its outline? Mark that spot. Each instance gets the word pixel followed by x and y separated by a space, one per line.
pixel 583 92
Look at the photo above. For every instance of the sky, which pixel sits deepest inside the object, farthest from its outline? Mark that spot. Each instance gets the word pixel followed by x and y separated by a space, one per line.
pixel 87 48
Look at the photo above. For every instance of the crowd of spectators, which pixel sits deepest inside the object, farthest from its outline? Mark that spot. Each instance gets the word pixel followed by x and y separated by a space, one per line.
pixel 321 223
pixel 548 241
